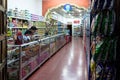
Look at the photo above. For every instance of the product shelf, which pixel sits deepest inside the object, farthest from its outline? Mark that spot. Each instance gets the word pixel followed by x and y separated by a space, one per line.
pixel 17 27
pixel 103 42
pixel 19 18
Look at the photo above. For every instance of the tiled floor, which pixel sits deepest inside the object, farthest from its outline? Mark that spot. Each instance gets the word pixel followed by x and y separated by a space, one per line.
pixel 68 64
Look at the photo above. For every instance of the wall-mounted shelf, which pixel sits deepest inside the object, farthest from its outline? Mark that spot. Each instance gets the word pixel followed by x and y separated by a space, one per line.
pixel 17 27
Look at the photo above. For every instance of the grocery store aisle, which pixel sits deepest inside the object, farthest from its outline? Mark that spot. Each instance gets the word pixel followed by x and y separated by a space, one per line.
pixel 68 64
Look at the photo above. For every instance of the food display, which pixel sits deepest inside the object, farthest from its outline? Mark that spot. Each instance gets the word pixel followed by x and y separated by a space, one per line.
pixel 29 56
pixel 30 51
pixel 24 59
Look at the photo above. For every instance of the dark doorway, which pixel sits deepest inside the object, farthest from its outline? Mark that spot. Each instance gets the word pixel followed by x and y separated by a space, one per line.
pixel 69 27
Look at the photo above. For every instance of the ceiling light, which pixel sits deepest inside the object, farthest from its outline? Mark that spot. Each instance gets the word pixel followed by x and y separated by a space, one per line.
pixel 79 10
pixel 69 14
pixel 54 12
pixel 80 14
pixel 72 17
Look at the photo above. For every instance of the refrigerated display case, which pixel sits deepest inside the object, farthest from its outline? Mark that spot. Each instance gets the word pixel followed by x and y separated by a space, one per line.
pixel 24 59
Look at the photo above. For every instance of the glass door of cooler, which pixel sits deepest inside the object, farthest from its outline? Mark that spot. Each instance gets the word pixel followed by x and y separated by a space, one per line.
pixel 45 49
pixel 29 58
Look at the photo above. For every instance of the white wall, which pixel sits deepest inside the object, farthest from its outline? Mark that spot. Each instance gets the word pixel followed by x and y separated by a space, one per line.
pixel 34 6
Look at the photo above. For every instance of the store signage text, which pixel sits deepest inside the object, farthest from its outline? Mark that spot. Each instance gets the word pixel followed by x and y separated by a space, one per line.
pixel 76 21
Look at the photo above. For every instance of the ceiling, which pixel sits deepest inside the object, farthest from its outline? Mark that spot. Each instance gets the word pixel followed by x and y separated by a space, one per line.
pixel 76 12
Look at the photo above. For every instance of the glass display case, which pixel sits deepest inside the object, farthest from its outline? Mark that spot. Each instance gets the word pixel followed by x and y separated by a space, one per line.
pixel 24 59
pixel 29 58
pixel 52 45
pixel 60 41
pixel 45 49
pixel 13 62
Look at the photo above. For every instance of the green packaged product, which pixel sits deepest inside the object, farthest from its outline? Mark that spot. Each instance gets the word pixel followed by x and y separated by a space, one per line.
pixel 98 50
pixel 97 23
pixel 104 27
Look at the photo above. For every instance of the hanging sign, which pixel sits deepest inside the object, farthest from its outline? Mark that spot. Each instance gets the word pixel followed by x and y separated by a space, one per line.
pixel 67 7
pixel 76 21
